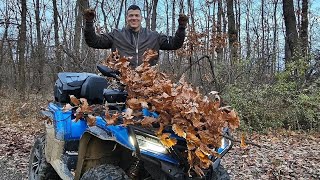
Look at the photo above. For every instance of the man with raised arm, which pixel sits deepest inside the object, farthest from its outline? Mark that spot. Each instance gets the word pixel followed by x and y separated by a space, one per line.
pixel 133 40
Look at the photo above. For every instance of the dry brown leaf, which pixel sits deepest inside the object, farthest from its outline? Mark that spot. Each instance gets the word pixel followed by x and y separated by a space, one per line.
pixel 243 143
pixel 233 119
pixel 134 103
pixel 149 55
pixel 127 122
pixel 198 170
pixel 128 114
pixel 79 116
pixel 75 101
pixel 159 132
pixel 113 119
pixel 147 121
pixel 91 120
pixel 67 107
pixel 193 138
pixel 206 162
pixel 167 141
pixel 179 131
pixel 144 104
pixel 85 106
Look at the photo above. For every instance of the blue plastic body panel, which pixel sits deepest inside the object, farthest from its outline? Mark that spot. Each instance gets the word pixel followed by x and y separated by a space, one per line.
pixel 65 128
pixel 120 133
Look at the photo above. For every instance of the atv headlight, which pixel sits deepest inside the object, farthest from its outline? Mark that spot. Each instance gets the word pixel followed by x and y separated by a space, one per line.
pixel 225 145
pixel 149 143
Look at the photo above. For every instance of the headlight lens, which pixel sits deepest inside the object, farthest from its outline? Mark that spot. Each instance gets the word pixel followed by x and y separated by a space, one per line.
pixel 225 143
pixel 149 144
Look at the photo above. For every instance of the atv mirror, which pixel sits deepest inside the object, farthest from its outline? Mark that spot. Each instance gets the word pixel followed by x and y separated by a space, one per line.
pixel 106 71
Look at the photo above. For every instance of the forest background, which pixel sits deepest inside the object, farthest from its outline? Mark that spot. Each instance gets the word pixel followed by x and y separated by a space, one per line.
pixel 262 56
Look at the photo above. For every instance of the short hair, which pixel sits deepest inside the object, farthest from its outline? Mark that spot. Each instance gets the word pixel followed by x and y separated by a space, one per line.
pixel 134 7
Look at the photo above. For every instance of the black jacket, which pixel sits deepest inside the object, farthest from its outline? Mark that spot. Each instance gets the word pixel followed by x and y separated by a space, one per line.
pixel 131 45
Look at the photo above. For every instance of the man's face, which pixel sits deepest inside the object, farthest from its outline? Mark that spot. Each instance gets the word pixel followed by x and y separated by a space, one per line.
pixel 134 19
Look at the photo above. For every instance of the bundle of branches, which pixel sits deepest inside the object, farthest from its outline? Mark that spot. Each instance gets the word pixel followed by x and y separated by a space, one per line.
pixel 192 116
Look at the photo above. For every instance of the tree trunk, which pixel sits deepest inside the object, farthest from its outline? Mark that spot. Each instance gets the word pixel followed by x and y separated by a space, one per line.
pixel 292 42
pixel 262 64
pixel 192 30
pixel 102 5
pixel 80 7
pixel 248 40
pixel 59 63
pixel 167 58
pixel 304 29
pixel 119 15
pixel 154 15
pixel 173 28
pixel 77 29
pixel 232 33
pixel 40 55
pixel 219 48
pixel 4 37
pixel 275 37
pixel 3 40
pixel 21 48
pixel 181 8
pixel 147 14
pixel 238 15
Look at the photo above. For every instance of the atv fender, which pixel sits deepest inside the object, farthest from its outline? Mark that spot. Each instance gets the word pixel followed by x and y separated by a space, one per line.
pixel 97 147
pixel 53 150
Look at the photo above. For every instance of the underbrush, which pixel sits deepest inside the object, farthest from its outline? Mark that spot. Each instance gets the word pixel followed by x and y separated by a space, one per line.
pixel 279 105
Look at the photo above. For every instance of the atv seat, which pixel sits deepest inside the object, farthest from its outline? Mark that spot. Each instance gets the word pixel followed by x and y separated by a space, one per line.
pixel 92 89
pixel 81 85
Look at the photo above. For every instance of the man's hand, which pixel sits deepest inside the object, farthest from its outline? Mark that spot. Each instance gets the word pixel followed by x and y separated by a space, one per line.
pixel 89 15
pixel 183 20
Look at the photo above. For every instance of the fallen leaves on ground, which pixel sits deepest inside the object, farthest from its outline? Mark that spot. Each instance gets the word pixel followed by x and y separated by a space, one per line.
pixel 20 123
pixel 285 155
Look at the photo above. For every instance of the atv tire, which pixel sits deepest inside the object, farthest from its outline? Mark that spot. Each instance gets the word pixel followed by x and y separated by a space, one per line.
pixel 104 172
pixel 39 168
pixel 220 174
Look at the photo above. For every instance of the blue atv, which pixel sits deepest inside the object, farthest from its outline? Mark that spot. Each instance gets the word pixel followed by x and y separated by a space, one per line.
pixel 73 150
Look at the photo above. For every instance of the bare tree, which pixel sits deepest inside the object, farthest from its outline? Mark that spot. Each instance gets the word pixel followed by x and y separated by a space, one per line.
pixel 39 51
pixel 21 47
pixel 304 28
pixel 4 37
pixel 147 13
pixel 59 62
pixel 154 15
pixel 80 7
pixel 232 32
pixel 120 11
pixel 3 41
pixel 248 40
pixel 219 48
pixel 292 43
pixel 275 37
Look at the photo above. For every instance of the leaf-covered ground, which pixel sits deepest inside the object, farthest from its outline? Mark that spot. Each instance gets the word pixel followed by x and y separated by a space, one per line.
pixel 286 155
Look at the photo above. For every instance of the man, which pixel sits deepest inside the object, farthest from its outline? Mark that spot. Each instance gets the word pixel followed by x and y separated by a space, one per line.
pixel 133 40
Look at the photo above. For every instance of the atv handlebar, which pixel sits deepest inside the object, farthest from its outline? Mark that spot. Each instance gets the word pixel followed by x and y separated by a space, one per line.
pixel 106 71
